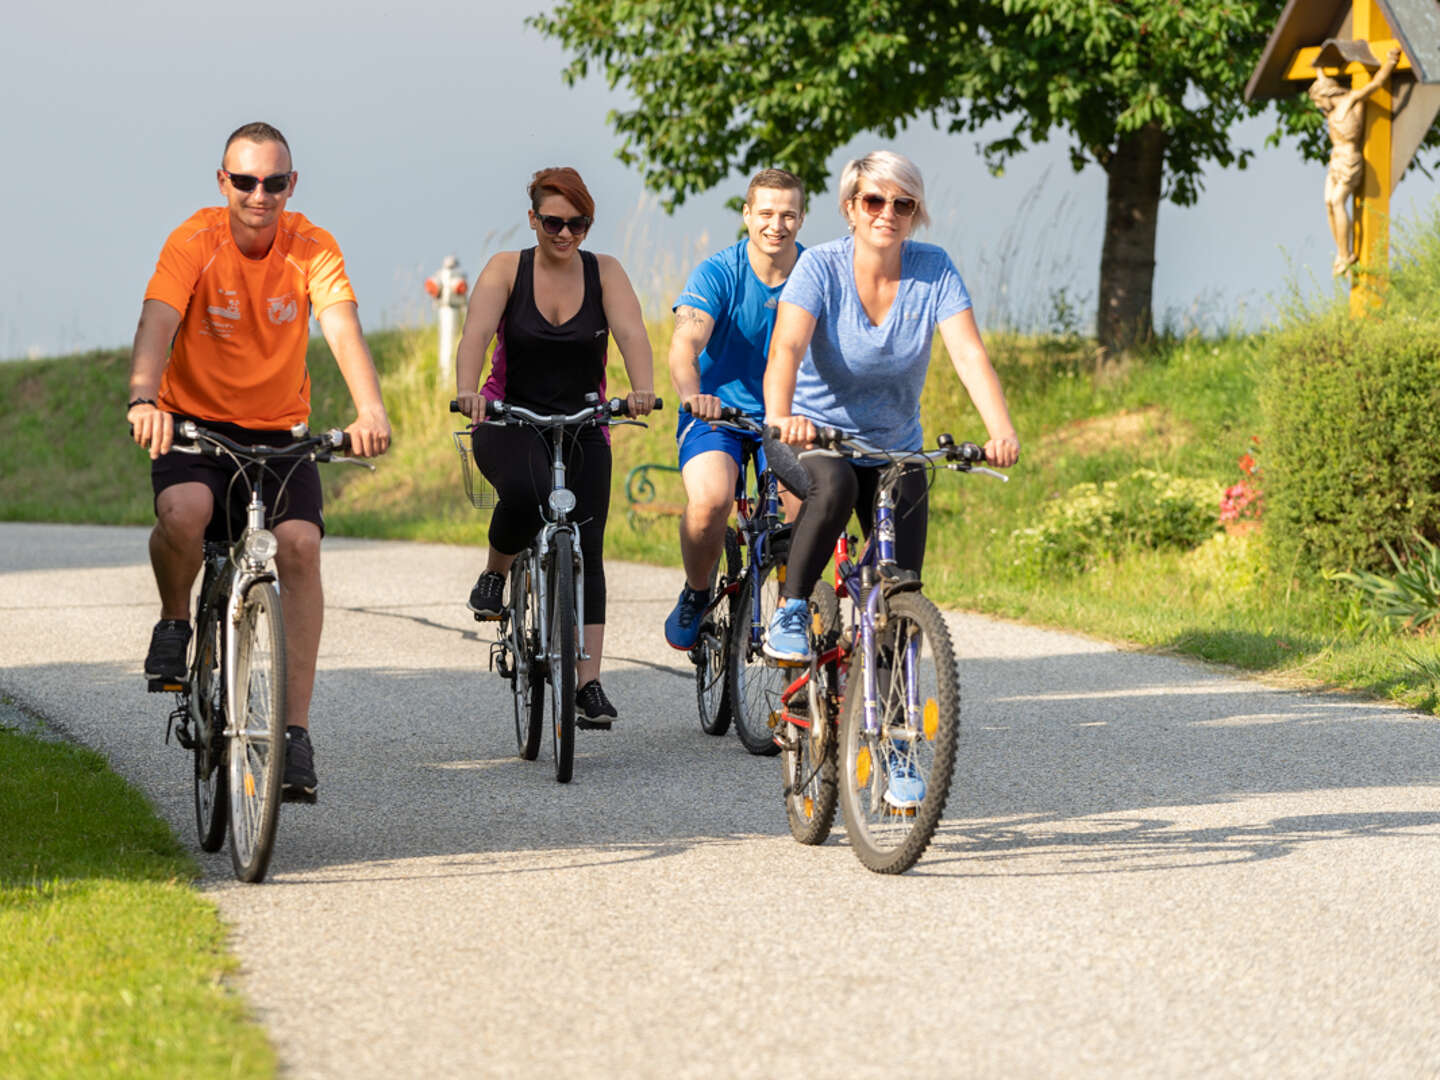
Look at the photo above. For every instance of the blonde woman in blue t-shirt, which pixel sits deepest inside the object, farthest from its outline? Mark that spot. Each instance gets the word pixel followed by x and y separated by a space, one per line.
pixel 850 350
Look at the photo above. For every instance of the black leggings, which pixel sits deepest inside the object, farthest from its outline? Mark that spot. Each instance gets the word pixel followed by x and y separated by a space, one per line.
pixel 838 487
pixel 516 461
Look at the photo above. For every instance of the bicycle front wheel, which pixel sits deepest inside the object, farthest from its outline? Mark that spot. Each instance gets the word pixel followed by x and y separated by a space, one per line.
pixel 895 778
pixel 561 654
pixel 257 732
pixel 524 642
pixel 755 686
pixel 711 653
pixel 207 709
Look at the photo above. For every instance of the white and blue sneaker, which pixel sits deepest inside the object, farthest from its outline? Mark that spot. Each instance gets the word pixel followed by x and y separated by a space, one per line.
pixel 787 637
pixel 682 627
pixel 904 786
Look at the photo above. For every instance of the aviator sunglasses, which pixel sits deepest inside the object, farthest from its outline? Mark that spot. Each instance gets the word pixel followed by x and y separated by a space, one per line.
pixel 273 185
pixel 553 223
pixel 874 204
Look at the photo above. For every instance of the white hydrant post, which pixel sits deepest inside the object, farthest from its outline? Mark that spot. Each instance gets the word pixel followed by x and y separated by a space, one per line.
pixel 448 288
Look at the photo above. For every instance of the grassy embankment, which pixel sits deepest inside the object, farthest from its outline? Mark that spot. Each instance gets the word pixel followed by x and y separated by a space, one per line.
pixel 110 964
pixel 1187 408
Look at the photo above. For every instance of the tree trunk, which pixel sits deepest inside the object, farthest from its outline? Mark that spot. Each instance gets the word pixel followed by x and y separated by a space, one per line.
pixel 1127 261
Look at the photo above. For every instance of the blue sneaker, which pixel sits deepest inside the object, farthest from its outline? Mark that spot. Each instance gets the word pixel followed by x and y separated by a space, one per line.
pixel 682 626
pixel 904 788
pixel 787 637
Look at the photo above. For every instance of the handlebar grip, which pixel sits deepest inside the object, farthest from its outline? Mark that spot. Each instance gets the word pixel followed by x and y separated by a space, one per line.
pixel 727 412
pixel 454 405
pixel 970 452
pixel 492 407
pixel 620 406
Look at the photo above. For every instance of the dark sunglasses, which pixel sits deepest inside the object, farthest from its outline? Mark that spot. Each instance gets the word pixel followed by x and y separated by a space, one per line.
pixel 273 185
pixel 874 204
pixel 553 223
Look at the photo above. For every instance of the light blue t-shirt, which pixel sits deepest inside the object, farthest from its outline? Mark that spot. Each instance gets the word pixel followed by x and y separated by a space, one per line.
pixel 866 380
pixel 732 365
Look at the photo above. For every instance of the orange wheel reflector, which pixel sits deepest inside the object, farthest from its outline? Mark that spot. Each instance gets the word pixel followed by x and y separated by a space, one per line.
pixel 249 785
pixel 809 807
pixel 862 766
pixel 780 573
pixel 932 718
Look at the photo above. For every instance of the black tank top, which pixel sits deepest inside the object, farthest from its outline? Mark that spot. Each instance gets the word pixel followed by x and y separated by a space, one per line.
pixel 542 366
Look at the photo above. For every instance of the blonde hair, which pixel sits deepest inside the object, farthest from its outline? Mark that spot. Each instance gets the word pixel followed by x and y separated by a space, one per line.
pixel 884 167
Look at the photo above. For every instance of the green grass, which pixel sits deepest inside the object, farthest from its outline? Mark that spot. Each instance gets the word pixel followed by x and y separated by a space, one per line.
pixel 110 963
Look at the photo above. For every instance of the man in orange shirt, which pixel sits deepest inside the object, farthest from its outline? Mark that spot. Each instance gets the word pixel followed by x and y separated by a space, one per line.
pixel 222 339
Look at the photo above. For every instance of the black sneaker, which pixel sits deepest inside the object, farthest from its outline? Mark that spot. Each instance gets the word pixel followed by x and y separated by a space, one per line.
pixel 487 598
pixel 300 783
pixel 169 642
pixel 593 711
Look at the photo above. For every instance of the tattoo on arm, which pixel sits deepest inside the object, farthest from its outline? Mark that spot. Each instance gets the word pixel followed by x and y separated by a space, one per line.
pixel 688 316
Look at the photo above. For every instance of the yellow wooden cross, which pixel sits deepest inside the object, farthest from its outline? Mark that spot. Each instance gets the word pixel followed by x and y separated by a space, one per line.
pixel 1371 240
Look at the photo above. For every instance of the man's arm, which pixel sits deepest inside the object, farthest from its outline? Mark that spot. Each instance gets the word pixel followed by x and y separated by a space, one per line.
pixel 1377 82
pixel 370 433
pixel 693 328
pixel 151 428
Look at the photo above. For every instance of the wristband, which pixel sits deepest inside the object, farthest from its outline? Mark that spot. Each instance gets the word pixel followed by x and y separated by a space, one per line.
pixel 140 401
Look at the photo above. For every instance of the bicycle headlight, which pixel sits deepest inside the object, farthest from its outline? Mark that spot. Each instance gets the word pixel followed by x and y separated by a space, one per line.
pixel 562 501
pixel 261 545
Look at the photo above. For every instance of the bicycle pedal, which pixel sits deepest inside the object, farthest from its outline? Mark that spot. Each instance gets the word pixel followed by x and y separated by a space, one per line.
pixel 164 686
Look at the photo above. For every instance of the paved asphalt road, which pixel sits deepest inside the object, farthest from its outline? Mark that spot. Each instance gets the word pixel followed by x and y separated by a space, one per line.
pixel 1149 868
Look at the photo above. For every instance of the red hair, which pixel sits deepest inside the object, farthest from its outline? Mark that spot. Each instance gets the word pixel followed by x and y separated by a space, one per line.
pixel 565 182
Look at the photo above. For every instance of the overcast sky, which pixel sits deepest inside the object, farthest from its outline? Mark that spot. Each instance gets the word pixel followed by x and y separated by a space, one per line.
pixel 415 130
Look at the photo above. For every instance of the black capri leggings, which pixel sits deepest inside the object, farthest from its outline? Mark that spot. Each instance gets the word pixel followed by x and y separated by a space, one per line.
pixel 837 487
pixel 516 461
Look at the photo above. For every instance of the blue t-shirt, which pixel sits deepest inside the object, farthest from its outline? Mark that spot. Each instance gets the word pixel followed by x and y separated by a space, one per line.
pixel 866 380
pixel 732 365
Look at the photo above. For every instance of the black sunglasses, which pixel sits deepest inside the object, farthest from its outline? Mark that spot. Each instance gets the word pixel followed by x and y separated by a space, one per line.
pixel 273 185
pixel 553 223
pixel 875 204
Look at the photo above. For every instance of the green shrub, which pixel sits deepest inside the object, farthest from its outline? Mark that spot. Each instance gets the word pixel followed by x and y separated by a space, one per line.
pixel 1353 428
pixel 1410 595
pixel 1147 509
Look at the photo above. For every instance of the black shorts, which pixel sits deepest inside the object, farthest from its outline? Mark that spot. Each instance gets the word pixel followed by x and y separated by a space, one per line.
pixel 290 486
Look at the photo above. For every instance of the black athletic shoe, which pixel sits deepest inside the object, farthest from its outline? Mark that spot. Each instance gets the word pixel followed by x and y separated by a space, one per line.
pixel 300 783
pixel 169 642
pixel 487 598
pixel 593 711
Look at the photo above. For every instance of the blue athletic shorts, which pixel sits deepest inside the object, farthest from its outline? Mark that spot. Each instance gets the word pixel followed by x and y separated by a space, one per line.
pixel 694 436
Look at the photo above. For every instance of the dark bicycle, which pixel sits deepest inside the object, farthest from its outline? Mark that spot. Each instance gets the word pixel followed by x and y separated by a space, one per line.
pixel 230 710
pixel 540 636
pixel 874 716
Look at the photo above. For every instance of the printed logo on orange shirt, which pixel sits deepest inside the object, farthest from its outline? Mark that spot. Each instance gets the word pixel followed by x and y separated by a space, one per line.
pixel 230 311
pixel 282 309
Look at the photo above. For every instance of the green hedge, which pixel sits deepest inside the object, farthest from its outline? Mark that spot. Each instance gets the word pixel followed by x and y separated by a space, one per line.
pixel 1352 454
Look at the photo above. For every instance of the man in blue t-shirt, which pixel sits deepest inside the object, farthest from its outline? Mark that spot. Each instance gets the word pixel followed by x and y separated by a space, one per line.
pixel 723 321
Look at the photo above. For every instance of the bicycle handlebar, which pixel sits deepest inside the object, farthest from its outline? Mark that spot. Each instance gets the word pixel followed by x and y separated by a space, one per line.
pixel 829 440
pixel 601 411
pixel 732 417
pixel 192 438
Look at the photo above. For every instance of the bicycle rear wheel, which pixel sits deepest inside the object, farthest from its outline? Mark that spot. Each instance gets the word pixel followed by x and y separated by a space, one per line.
pixel 895 780
pixel 207 710
pixel 527 679
pixel 561 654
pixel 807 753
pixel 711 653
pixel 257 732
pixel 755 686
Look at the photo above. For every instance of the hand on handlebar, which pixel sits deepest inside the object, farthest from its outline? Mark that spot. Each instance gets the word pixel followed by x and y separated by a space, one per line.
pixel 472 404
pixel 152 428
pixel 640 402
pixel 1003 452
pixel 369 435
pixel 705 406
pixel 794 430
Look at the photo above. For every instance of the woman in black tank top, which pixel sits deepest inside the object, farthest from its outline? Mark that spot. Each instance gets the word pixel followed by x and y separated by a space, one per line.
pixel 551 310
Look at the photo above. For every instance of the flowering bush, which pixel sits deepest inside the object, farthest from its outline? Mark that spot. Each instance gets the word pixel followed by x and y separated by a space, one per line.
pixel 1245 501
pixel 1146 509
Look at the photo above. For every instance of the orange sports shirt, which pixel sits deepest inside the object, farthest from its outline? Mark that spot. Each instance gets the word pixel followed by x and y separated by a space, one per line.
pixel 239 354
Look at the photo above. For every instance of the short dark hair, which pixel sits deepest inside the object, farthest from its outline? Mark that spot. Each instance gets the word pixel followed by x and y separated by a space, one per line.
pixel 780 179
pixel 259 132
pixel 563 181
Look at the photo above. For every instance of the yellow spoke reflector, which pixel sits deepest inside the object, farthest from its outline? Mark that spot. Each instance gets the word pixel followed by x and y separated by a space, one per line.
pixel 809 806
pixel 780 573
pixel 249 785
pixel 932 719
pixel 862 766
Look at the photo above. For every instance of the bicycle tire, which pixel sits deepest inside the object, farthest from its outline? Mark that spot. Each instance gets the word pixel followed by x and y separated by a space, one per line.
pixel 256 749
pixel 527 678
pixel 889 839
pixel 755 685
pixel 207 710
pixel 712 652
pixel 808 761
pixel 560 667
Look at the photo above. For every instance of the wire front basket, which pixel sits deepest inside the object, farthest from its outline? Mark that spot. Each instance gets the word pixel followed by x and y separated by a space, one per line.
pixel 477 488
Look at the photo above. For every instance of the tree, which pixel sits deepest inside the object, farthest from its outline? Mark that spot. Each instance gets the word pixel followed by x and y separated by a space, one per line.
pixel 1147 89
